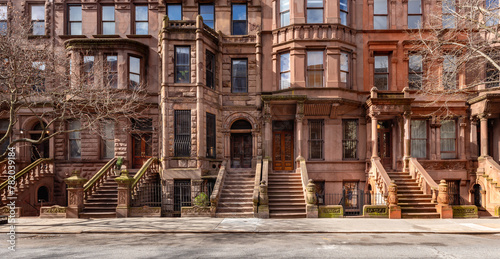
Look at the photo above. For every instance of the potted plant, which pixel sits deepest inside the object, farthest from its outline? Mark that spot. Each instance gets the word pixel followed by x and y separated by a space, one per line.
pixel 118 165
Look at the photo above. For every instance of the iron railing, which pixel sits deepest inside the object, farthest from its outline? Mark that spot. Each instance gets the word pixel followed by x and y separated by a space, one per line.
pixel 150 194
pixel 182 195
pixel 353 201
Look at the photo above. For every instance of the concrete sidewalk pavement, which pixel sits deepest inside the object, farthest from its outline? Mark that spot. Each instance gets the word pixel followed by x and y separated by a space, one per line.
pixel 27 225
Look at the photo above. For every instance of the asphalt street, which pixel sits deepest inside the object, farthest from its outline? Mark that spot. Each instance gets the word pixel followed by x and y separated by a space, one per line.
pixel 254 245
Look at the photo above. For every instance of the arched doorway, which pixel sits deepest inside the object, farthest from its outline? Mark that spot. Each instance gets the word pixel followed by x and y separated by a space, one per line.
pixel 241 144
pixel 477 195
pixel 38 150
pixel 43 194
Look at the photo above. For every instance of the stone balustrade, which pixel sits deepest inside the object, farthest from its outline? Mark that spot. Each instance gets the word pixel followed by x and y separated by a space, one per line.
pixel 313 32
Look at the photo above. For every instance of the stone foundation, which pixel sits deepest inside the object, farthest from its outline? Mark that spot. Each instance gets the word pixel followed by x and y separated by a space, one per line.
pixel 195 212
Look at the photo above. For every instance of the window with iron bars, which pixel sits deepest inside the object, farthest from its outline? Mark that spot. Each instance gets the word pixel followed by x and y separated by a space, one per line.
pixel 211 132
pixel 350 139
pixel 182 138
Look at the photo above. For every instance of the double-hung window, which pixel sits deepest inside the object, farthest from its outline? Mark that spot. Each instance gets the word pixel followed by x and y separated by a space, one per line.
pixel 3 19
pixel 108 20
pixel 316 139
pixel 182 58
pixel 111 71
pixel 492 75
pixel 344 12
pixel 174 12
pixel 134 69
pixel 75 139
pixel 419 138
pixel 344 69
pixel 141 20
pixel 449 72
pixel 284 13
pixel 239 19
pixel 448 15
pixel 314 11
pixel 210 69
pixel 39 76
pixel 207 11
pixel 381 72
pixel 75 19
pixel 350 139
pixel 380 15
pixel 182 128
pixel 108 139
pixel 415 71
pixel 414 14
pixel 448 139
pixel 315 68
pixel 211 135
pixel 38 19
pixel 239 75
pixel 88 69
pixel 284 70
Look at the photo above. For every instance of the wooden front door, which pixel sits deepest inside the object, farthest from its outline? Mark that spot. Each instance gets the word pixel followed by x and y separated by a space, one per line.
pixel 283 150
pixel 385 143
pixel 142 149
pixel 241 150
pixel 39 150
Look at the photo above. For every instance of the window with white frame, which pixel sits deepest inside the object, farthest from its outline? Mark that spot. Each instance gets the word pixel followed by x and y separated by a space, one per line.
pixel 134 72
pixel 108 139
pixel 344 69
pixel 182 68
pixel 111 71
pixel 38 19
pixel 239 75
pixel 381 72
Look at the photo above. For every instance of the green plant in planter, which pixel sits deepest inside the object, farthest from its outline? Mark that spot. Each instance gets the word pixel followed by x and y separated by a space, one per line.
pixel 119 163
pixel 201 200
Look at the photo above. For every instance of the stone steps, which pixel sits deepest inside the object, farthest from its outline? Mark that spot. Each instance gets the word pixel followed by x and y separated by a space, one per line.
pixel 236 199
pixel 286 198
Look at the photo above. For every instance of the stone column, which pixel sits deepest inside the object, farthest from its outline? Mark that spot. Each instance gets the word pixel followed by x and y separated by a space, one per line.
pixel 392 198
pixel 443 207
pixel 407 141
pixel 123 205
pixel 473 138
pixel 484 135
pixel 374 137
pixel 438 141
pixel 268 148
pixel 299 116
pixel 75 194
pixel 461 139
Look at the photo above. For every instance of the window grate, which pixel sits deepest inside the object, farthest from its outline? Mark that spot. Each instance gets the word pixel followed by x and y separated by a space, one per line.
pixel 182 139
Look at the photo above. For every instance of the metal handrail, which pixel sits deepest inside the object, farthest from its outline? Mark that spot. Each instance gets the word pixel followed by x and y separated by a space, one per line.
pixel 99 174
pixel 143 170
pixel 25 171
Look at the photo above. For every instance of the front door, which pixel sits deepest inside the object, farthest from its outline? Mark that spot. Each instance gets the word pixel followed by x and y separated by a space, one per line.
pixel 39 150
pixel 241 150
pixel 385 143
pixel 142 149
pixel 283 150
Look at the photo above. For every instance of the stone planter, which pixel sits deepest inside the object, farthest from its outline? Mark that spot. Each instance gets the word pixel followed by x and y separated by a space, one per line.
pixel 375 211
pixel 464 211
pixel 331 211
pixel 144 211
pixel 53 212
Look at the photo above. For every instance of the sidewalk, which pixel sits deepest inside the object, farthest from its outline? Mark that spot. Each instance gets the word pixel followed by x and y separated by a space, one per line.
pixel 27 225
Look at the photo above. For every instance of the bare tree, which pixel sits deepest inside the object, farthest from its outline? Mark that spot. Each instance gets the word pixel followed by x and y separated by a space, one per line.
pixel 39 78
pixel 454 52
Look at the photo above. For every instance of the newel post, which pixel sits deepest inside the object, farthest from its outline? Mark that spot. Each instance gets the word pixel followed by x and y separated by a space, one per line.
pixel 392 198
pixel 123 205
pixel 443 207
pixel 75 194
pixel 312 208
pixel 263 201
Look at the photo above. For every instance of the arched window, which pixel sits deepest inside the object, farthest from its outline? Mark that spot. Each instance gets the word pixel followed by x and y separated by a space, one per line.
pixel 241 124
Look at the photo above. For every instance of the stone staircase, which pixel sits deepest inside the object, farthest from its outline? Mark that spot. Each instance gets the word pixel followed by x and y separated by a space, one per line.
pixel 286 199
pixel 102 204
pixel 414 203
pixel 236 198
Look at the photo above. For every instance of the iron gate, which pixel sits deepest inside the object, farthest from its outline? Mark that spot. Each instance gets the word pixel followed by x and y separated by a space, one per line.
pixel 353 200
pixel 182 195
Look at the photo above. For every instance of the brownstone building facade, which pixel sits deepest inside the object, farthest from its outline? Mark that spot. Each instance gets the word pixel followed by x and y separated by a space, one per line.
pixel 238 86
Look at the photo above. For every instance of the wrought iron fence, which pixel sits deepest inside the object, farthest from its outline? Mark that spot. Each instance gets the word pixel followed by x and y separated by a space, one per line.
pixel 353 201
pixel 456 199
pixel 150 194
pixel 182 195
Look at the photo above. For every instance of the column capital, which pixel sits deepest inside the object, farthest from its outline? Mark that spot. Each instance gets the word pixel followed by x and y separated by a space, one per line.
pixel 484 116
